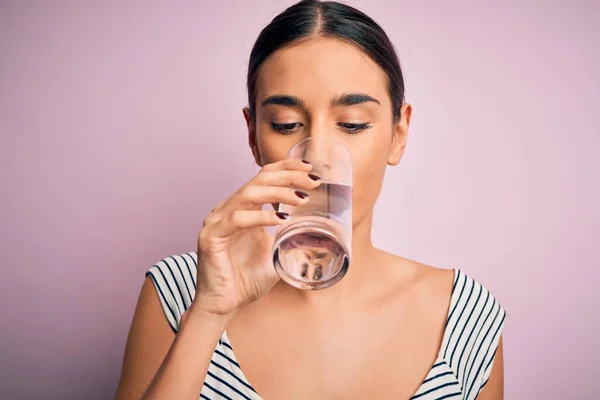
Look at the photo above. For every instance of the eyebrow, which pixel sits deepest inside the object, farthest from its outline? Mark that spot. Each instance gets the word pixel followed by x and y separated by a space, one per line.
pixel 283 100
pixel 347 99
pixel 352 99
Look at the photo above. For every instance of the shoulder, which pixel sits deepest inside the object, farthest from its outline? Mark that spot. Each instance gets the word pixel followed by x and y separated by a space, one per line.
pixel 463 295
pixel 430 285
pixel 470 296
pixel 472 334
pixel 174 278
pixel 474 321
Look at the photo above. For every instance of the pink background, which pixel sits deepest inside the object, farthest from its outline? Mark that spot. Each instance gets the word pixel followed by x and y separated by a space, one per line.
pixel 121 126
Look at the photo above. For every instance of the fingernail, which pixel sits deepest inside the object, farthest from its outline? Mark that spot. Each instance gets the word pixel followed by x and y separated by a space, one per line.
pixel 306 162
pixel 300 194
pixel 282 215
pixel 318 273
pixel 313 177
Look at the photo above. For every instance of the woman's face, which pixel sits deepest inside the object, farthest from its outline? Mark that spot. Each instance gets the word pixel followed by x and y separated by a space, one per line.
pixel 326 87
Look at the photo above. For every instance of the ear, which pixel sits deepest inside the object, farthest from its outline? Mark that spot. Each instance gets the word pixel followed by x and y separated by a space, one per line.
pixel 252 142
pixel 400 135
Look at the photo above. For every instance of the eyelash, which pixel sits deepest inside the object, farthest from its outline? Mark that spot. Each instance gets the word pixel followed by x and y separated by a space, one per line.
pixel 285 128
pixel 354 128
pixel 350 128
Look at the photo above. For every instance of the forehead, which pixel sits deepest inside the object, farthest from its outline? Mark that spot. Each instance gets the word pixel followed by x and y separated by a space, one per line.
pixel 319 69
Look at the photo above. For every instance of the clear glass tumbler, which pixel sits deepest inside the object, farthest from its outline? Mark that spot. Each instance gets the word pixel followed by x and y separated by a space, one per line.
pixel 312 250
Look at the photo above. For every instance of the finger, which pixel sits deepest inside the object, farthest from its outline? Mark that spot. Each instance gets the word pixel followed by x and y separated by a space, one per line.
pixel 259 195
pixel 288 164
pixel 211 219
pixel 215 214
pixel 288 178
pixel 245 219
pixel 218 206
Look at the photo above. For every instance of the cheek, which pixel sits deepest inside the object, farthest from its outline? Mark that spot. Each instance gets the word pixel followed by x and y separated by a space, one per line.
pixel 369 170
pixel 273 149
pixel 368 179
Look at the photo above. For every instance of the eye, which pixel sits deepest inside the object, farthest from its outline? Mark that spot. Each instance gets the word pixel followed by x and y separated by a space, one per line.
pixel 354 128
pixel 287 127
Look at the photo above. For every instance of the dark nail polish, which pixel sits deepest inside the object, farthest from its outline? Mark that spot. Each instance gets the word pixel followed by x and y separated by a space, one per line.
pixel 300 194
pixel 306 162
pixel 304 270
pixel 314 177
pixel 318 272
pixel 282 215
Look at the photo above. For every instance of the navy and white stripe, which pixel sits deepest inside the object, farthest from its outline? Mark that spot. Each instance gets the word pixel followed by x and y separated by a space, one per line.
pixel 175 281
pixel 468 349
pixel 462 369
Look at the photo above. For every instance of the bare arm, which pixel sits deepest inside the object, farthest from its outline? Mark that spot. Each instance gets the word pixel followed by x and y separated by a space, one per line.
pixel 158 364
pixel 234 269
pixel 494 389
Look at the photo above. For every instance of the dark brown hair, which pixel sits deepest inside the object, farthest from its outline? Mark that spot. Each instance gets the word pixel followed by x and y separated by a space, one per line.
pixel 310 18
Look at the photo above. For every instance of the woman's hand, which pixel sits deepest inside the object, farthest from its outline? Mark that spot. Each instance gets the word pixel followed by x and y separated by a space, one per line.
pixel 234 249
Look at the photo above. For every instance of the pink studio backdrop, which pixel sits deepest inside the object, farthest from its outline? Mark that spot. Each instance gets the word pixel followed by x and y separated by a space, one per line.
pixel 121 126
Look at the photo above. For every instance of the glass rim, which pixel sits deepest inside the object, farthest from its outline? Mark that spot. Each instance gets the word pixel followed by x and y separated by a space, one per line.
pixel 297 144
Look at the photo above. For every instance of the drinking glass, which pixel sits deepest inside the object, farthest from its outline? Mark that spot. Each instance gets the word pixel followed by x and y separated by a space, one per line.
pixel 312 249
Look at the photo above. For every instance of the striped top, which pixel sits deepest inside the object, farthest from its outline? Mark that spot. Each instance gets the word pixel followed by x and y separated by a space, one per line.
pixel 462 368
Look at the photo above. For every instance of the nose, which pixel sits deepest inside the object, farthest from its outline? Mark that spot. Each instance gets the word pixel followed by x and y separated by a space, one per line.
pixel 330 158
pixel 318 149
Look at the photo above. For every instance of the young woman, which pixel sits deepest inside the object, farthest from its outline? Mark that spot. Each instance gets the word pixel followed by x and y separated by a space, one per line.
pixel 219 324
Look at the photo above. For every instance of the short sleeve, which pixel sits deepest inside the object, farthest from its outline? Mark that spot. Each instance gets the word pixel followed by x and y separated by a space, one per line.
pixel 174 279
pixel 497 326
pixel 472 334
